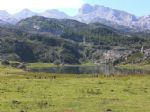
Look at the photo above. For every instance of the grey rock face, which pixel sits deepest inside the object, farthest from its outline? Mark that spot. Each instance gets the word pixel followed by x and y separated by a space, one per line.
pixel 96 13
pixel 90 14
pixel 143 23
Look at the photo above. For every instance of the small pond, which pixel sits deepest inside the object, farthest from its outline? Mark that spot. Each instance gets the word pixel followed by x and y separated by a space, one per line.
pixel 102 69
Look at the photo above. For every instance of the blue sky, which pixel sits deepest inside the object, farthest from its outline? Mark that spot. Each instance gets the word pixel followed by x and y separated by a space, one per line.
pixel 137 7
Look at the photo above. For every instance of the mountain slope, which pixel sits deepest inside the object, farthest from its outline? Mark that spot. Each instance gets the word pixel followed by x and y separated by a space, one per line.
pixel 77 31
pixel 19 45
pixel 50 25
pixel 67 41
pixel 3 22
pixel 6 17
pixel 54 14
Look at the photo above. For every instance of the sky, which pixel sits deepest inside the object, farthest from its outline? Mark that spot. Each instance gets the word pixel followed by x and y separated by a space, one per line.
pixel 136 7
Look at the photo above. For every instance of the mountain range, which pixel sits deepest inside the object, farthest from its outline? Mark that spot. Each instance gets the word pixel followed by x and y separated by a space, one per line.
pixel 87 14
pixel 40 39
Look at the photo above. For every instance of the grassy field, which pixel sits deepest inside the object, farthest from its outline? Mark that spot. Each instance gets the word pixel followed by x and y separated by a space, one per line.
pixel 40 92
pixel 42 65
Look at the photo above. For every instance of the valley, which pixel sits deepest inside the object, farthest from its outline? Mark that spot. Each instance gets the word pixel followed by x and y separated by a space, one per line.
pixel 95 61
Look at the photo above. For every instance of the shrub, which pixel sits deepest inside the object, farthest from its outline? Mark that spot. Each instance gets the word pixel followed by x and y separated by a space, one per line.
pixel 5 62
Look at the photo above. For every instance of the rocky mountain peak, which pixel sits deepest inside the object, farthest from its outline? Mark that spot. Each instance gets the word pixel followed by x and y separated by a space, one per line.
pixel 96 13
pixel 54 13
pixel 85 9
pixel 5 17
pixel 25 13
pixel 4 13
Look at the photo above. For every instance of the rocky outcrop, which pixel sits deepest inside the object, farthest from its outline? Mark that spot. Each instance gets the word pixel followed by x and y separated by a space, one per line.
pixel 112 17
pixel 147 52
pixel 89 14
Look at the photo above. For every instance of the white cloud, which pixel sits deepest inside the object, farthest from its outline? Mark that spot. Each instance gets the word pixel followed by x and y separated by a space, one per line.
pixel 16 5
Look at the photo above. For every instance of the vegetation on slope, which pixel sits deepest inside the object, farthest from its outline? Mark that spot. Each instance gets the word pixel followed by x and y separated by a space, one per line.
pixel 39 39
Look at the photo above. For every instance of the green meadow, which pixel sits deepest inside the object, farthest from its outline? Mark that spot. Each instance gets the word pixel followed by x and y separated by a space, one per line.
pixel 22 91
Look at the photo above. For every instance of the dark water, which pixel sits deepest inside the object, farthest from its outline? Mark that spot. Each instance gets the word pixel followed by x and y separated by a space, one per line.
pixel 102 69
